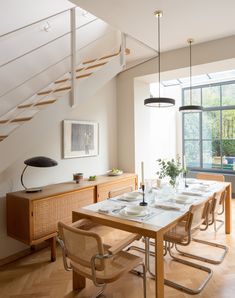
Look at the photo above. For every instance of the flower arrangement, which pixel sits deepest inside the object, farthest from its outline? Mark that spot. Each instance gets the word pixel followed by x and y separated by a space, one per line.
pixel 170 168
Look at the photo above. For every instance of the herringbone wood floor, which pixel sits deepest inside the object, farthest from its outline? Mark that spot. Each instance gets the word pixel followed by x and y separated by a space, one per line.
pixel 34 276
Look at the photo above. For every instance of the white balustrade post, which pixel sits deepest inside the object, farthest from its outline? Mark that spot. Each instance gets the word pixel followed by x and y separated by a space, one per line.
pixel 123 50
pixel 73 56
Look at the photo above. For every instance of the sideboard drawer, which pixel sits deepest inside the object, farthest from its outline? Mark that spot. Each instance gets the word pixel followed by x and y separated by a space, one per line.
pixel 103 190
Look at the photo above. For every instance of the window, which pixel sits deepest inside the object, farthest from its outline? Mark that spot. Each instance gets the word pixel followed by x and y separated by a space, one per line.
pixel 209 137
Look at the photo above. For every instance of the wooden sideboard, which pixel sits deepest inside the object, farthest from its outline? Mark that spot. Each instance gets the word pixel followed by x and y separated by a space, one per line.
pixel 33 217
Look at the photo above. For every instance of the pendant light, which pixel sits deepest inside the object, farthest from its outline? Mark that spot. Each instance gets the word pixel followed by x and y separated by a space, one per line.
pixel 159 101
pixel 190 108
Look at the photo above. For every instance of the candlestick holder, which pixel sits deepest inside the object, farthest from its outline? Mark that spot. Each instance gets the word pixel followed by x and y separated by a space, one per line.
pixel 143 203
pixel 185 179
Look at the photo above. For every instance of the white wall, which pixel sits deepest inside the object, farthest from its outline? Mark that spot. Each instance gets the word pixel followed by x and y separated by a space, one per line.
pixel 157 130
pixel 43 136
pixel 212 56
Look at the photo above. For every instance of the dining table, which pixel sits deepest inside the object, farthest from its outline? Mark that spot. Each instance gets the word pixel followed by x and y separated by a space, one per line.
pixel 164 210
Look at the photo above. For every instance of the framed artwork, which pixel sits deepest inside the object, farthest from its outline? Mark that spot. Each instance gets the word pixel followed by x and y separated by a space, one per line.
pixel 80 138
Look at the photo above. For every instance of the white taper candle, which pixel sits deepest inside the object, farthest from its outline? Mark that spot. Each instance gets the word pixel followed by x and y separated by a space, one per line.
pixel 142 172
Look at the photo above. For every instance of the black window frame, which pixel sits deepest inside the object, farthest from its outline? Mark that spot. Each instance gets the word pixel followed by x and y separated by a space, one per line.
pixel 207 109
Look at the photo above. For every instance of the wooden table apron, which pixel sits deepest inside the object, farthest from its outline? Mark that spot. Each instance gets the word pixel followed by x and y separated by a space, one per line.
pixel 147 230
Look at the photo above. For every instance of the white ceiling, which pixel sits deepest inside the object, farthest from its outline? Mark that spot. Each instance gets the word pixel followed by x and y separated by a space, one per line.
pixel 202 20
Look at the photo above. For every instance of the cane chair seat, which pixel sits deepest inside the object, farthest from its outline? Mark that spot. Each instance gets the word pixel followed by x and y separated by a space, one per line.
pixel 114 268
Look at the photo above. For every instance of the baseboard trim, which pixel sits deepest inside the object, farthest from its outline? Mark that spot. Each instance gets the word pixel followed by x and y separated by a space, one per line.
pixel 23 253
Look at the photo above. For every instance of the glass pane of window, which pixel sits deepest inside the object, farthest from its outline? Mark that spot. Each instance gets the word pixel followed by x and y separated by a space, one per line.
pixel 191 125
pixel 211 96
pixel 228 152
pixel 196 96
pixel 192 153
pixel 228 95
pixel 228 124
pixel 211 154
pixel 211 125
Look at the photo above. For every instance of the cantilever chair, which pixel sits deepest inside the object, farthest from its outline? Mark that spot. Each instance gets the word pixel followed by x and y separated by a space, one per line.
pixel 219 208
pixel 92 259
pixel 181 234
pixel 210 214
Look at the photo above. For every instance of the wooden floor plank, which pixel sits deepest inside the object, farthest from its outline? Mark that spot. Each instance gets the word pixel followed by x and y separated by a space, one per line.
pixel 35 276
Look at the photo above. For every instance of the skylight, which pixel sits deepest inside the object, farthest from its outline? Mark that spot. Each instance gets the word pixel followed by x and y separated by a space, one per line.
pixel 205 78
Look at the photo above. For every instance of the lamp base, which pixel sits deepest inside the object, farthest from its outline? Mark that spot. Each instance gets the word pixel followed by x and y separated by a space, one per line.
pixel 35 189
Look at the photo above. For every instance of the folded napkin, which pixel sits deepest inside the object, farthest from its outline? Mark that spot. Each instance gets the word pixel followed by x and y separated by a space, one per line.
pixel 167 206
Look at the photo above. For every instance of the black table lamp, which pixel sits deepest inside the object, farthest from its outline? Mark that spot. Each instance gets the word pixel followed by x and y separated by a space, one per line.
pixel 39 162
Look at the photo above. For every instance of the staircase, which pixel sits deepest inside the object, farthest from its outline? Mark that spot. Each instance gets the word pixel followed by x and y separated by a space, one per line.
pixel 93 72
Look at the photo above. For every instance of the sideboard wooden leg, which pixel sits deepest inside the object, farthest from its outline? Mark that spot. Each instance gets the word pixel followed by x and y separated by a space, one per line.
pixel 79 281
pixel 53 248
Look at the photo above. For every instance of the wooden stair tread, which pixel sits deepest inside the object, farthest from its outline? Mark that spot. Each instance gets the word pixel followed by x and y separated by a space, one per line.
pixel 91 66
pixel 53 91
pixel 77 77
pixel 127 52
pixel 23 119
pixel 40 103
pixel 46 102
pixel 2 137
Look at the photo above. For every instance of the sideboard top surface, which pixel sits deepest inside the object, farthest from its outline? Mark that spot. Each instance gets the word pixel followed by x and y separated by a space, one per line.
pixel 71 186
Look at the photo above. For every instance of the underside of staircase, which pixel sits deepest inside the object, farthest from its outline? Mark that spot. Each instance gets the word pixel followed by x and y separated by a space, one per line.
pixel 27 109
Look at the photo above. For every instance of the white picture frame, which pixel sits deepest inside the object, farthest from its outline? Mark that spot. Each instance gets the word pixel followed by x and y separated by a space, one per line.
pixel 80 138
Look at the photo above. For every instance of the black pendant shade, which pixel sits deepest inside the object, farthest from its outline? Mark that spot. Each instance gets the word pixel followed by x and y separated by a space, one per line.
pixel 191 109
pixel 159 102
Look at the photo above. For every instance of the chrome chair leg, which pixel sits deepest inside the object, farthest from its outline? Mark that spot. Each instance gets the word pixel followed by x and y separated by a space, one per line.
pixel 204 259
pixel 191 264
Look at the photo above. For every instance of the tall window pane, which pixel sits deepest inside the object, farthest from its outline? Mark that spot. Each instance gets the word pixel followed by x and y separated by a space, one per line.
pixel 211 125
pixel 192 153
pixel 196 96
pixel 228 95
pixel 211 96
pixel 211 154
pixel 191 126
pixel 228 139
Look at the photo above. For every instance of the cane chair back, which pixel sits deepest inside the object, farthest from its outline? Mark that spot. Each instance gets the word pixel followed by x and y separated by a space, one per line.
pixel 210 176
pixel 90 244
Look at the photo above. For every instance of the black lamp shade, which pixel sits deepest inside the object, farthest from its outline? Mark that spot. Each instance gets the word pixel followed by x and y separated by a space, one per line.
pixel 191 109
pixel 162 102
pixel 40 162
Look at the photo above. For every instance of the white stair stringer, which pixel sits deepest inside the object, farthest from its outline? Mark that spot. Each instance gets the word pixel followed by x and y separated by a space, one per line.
pixel 89 86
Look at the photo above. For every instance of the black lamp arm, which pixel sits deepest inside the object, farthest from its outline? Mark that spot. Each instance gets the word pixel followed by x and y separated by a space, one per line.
pixel 21 177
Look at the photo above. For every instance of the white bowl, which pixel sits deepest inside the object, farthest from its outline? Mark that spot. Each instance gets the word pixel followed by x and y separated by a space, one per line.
pixel 132 196
pixel 136 210
pixel 111 173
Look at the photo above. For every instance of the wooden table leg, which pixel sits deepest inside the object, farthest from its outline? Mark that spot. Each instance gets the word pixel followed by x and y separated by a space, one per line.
pixel 53 248
pixel 79 281
pixel 228 210
pixel 159 266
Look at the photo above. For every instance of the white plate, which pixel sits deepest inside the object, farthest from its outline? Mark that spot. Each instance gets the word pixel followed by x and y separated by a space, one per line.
pixel 134 211
pixel 192 193
pixel 132 196
pixel 110 173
